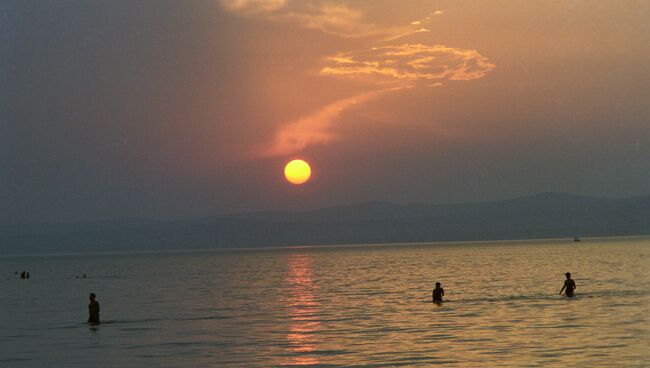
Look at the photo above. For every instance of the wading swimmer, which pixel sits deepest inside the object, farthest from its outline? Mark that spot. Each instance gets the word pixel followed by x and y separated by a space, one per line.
pixel 437 293
pixel 93 310
pixel 569 285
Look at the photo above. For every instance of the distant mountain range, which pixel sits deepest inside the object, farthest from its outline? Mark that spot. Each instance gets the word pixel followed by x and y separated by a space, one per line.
pixel 548 215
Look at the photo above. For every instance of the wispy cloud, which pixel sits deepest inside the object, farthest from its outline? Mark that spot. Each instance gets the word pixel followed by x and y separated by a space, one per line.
pixel 253 6
pixel 386 68
pixel 408 63
pixel 339 20
pixel 315 128
pixel 335 19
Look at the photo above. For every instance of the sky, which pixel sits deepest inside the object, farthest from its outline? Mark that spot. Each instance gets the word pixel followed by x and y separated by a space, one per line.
pixel 175 109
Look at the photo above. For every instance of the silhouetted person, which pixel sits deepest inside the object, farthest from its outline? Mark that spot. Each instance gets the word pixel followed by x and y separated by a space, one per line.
pixel 27 275
pixel 84 276
pixel 569 285
pixel 93 310
pixel 437 293
pixel 23 275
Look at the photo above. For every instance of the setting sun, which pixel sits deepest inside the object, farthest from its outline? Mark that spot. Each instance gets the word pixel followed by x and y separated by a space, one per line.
pixel 297 171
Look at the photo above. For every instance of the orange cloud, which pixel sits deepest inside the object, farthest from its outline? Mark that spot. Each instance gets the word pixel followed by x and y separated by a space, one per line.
pixel 335 19
pixel 339 20
pixel 385 68
pixel 315 128
pixel 253 6
pixel 409 63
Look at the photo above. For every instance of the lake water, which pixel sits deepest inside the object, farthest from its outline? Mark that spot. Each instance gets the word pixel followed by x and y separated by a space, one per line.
pixel 357 306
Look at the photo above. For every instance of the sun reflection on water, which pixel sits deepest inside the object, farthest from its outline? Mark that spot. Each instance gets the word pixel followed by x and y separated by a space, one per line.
pixel 303 311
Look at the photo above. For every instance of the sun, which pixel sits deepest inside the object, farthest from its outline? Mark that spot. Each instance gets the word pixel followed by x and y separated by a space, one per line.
pixel 297 172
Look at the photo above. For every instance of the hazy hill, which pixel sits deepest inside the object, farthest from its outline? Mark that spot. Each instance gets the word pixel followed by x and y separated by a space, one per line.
pixel 540 216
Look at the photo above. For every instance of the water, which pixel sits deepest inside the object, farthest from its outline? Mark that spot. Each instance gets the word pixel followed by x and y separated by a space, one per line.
pixel 357 306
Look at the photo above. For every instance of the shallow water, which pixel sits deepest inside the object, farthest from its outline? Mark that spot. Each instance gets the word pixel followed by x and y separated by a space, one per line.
pixel 334 306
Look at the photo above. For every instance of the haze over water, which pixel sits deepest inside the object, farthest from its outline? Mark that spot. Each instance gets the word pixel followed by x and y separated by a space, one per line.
pixel 334 306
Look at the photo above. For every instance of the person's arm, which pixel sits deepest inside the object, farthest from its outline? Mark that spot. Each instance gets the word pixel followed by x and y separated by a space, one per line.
pixel 574 284
pixel 561 290
pixel 442 292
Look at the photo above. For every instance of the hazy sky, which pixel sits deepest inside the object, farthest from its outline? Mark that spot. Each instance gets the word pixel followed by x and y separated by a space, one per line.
pixel 187 108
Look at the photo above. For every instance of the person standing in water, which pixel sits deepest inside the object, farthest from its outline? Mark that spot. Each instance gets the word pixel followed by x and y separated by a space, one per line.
pixel 93 310
pixel 437 293
pixel 569 285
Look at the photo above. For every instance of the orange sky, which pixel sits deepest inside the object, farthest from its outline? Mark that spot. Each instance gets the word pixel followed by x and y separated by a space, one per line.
pixel 171 109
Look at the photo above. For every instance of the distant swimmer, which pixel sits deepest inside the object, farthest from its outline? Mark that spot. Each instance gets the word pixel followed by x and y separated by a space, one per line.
pixel 93 310
pixel 437 293
pixel 569 285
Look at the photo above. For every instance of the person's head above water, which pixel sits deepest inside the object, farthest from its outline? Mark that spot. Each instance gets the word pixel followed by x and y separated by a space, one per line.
pixel 92 296
pixel 568 275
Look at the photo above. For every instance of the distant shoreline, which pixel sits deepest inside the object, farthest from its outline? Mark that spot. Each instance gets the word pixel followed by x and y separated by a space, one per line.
pixel 584 240
pixel 542 216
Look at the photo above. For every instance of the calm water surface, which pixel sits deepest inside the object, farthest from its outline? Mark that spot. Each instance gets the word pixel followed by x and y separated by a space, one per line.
pixel 358 306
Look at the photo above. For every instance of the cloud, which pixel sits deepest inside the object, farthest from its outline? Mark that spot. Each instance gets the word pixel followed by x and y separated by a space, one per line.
pixel 317 127
pixel 343 21
pixel 339 20
pixel 335 19
pixel 387 69
pixel 408 64
pixel 253 6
